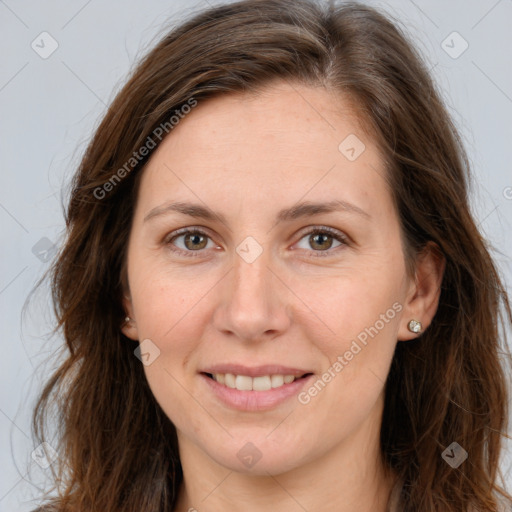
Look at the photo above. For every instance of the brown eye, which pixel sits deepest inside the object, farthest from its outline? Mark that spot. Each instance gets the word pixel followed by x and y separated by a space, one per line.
pixel 322 240
pixel 189 241
pixel 194 241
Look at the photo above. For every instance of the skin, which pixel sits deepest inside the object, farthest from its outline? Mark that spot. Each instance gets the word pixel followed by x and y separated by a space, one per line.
pixel 248 157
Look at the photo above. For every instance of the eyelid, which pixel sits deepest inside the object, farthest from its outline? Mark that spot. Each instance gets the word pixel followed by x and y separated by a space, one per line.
pixel 342 237
pixel 184 231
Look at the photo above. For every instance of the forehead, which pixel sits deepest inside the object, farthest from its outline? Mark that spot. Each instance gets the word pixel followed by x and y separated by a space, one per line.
pixel 281 144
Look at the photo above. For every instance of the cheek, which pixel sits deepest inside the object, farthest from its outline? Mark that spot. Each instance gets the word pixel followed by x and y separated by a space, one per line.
pixel 364 314
pixel 347 306
pixel 169 312
pixel 361 307
pixel 167 301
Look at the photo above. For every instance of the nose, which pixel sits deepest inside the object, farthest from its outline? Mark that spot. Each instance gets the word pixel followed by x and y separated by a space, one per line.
pixel 252 304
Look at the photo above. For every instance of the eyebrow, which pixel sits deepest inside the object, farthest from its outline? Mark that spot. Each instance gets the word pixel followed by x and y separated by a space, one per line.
pixel 303 209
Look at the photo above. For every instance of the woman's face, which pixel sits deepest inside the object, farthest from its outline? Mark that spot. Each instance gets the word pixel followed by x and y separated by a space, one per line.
pixel 229 280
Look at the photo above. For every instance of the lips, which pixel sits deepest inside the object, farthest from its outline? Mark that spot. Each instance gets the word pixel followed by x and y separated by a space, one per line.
pixel 254 400
pixel 254 388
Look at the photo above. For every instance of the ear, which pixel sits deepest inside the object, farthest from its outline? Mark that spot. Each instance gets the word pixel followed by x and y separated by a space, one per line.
pixel 129 327
pixel 424 291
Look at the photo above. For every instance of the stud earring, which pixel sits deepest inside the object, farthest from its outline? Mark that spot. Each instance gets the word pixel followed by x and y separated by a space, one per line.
pixel 127 319
pixel 414 326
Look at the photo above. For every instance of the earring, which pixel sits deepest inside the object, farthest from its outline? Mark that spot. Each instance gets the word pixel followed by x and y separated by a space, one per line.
pixel 414 326
pixel 127 319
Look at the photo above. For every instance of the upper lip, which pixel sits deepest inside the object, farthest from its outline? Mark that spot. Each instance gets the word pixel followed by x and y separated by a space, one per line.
pixel 255 371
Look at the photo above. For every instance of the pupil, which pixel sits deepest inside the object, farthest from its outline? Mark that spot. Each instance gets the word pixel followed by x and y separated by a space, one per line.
pixel 195 240
pixel 321 240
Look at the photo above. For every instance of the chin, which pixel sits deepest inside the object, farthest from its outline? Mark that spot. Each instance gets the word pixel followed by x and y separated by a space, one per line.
pixel 257 454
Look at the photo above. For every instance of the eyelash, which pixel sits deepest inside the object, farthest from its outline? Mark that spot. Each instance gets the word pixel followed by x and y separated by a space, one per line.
pixel 336 235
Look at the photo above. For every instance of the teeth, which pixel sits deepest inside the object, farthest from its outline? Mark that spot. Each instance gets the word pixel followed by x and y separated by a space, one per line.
pixel 229 380
pixel 246 383
pixel 277 381
pixel 261 383
pixel 243 383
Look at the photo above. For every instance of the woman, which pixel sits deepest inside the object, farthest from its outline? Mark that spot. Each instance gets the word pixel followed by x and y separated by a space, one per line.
pixel 272 291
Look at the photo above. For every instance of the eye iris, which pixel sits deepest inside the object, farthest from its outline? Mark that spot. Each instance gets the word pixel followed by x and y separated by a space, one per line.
pixel 320 241
pixel 198 241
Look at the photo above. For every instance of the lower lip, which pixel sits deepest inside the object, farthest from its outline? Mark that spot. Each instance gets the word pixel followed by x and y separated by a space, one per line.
pixel 255 400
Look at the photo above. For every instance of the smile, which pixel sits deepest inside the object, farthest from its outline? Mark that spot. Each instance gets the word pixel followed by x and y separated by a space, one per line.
pixel 247 383
pixel 265 388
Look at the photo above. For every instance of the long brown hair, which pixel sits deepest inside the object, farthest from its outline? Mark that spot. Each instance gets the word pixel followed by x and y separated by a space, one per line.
pixel 118 450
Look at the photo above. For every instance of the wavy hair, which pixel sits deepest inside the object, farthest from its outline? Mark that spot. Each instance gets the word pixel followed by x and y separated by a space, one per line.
pixel 118 450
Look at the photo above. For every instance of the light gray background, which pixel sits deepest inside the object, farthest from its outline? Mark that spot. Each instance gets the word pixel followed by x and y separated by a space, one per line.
pixel 50 107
